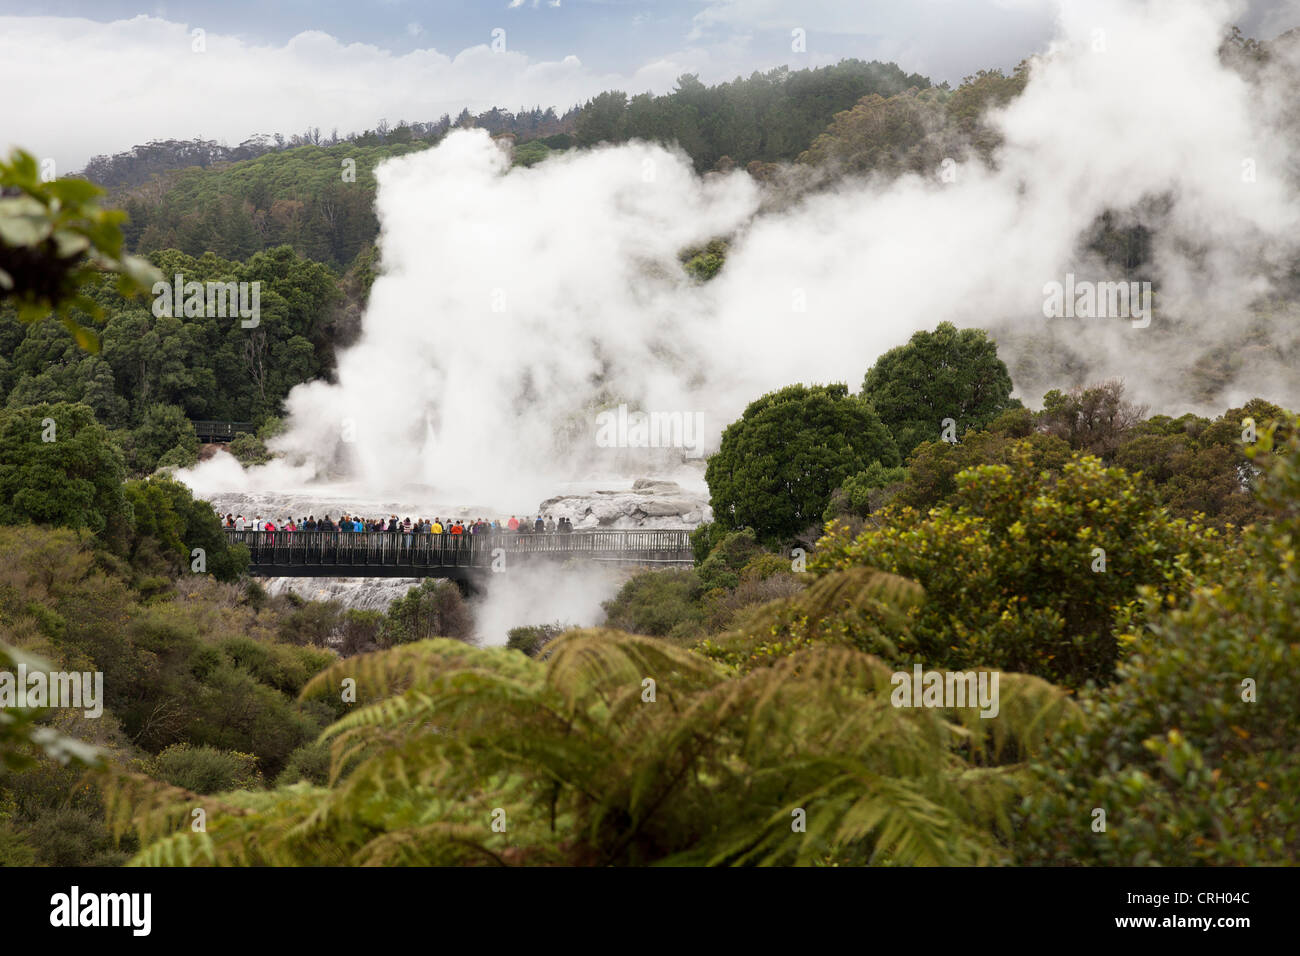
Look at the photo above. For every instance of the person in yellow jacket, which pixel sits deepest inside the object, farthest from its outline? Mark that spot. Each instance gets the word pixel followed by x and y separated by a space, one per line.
pixel 437 526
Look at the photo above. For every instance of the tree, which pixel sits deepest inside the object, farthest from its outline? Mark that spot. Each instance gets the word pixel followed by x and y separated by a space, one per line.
pixel 1192 750
pixel 73 479
pixel 933 468
pixel 431 609
pixel 777 466
pixel 864 492
pixel 603 119
pixel 1092 419
pixel 164 427
pixel 532 639
pixel 1035 572
pixel 169 524
pixel 944 374
pixel 892 135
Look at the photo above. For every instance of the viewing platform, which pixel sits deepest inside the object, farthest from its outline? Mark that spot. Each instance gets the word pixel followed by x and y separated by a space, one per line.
pixel 212 431
pixel 458 556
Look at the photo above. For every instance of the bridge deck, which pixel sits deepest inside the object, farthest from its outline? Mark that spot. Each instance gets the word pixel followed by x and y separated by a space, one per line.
pixel 398 554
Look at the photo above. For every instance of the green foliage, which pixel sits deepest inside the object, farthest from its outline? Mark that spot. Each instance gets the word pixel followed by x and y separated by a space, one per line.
pixel 942 374
pixel 432 608
pixel 74 836
pixel 917 129
pixel 251 449
pixel 168 523
pixel 1191 766
pixel 581 770
pixel 163 428
pixel 73 480
pixel 55 239
pixel 889 135
pixel 204 769
pixel 705 262
pixel 310 622
pixel 1090 419
pixel 154 372
pixel 705 538
pixel 296 197
pixel 860 608
pixel 933 468
pixel 1200 466
pixel 360 631
pixel 24 735
pixel 721 569
pixel 658 603
pixel 13 850
pixel 1012 574
pixel 310 762
pixel 180 456
pixel 184 661
pixel 763 118
pixel 533 638
pixel 531 153
pixel 777 465
pixel 863 493
pixel 248 449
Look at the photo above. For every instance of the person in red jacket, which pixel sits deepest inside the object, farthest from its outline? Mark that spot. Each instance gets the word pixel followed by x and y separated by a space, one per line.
pixel 513 523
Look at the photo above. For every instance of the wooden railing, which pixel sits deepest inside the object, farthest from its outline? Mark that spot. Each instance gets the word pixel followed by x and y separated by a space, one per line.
pixel 361 549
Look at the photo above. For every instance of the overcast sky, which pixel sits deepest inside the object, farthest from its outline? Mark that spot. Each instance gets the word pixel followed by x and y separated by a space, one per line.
pixel 97 76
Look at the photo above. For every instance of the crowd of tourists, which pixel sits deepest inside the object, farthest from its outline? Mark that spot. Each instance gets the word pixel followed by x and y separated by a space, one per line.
pixel 394 525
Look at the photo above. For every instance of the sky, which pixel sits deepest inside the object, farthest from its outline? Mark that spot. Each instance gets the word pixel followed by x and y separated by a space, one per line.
pixel 99 77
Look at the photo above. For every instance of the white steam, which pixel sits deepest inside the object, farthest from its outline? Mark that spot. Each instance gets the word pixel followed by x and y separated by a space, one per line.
pixel 514 301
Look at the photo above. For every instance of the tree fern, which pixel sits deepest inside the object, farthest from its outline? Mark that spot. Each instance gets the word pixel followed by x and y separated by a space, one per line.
pixel 577 764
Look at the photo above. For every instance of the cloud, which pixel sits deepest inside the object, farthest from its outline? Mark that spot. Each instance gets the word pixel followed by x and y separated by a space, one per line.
pixel 130 81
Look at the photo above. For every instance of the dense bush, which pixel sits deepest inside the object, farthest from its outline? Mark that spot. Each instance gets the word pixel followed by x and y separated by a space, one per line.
pixel 59 467
pixel 658 603
pixel 310 762
pixel 204 769
pixel 1032 572
pixel 586 771
pixel 432 608
pixel 1191 753
pixel 533 638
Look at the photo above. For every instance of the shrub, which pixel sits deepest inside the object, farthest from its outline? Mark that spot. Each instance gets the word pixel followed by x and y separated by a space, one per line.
pixel 204 769
pixel 1031 572
pixel 1190 762
pixel 432 608
pixel 533 638
pixel 656 603
pixel 310 762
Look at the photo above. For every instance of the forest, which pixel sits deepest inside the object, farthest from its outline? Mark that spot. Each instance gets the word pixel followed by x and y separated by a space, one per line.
pixel 1131 575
